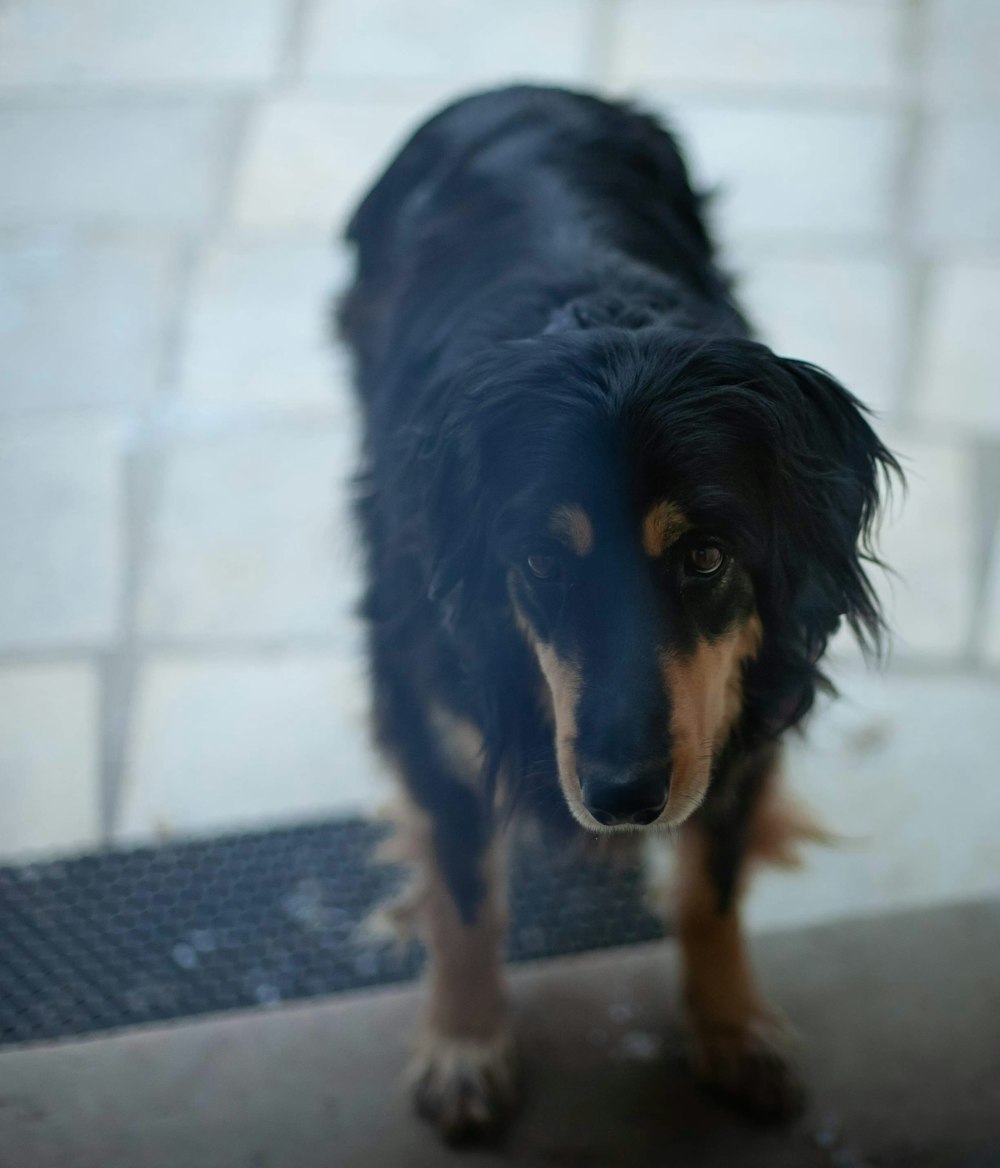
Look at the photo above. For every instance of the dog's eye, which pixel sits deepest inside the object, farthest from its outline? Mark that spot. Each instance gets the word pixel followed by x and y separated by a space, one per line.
pixel 543 566
pixel 705 559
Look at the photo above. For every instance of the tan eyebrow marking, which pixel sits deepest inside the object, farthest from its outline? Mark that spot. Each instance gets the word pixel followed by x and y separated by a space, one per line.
pixel 573 524
pixel 663 525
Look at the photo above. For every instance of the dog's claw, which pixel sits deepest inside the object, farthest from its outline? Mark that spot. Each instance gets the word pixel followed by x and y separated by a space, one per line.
pixel 464 1088
pixel 752 1066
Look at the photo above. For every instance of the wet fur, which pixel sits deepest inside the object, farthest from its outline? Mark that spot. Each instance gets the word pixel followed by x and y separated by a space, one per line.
pixel 537 303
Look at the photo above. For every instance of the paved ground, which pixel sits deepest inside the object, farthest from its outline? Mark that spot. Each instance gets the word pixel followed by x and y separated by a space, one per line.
pixel 900 1020
pixel 177 569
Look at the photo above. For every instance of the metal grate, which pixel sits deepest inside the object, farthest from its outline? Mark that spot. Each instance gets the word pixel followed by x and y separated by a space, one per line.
pixel 120 938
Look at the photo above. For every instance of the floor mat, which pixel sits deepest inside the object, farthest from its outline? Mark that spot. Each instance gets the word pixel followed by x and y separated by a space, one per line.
pixel 119 938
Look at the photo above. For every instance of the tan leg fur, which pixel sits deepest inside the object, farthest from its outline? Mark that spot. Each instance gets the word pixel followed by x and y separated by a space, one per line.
pixel 462 1074
pixel 740 1045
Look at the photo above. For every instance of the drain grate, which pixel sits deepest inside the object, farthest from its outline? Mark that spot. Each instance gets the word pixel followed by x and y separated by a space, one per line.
pixel 119 938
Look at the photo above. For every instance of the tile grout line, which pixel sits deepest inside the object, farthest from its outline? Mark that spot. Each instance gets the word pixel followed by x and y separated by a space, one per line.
pixel 144 469
pixel 921 269
pixel 321 645
pixel 117 666
pixel 289 73
pixel 986 488
pixel 220 217
pixel 380 89
pixel 601 47
pixel 904 200
pixel 145 465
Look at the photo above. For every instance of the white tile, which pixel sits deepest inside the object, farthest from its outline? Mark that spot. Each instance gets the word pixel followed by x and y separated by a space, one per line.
pixel 962 47
pixel 466 41
pixel 928 541
pixel 904 771
pixel 259 329
pixel 959 350
pixel 252 538
pixel 81 323
pixel 958 187
pixel 840 312
pixel 49 796
pixel 247 741
pixel 781 173
pixel 83 42
pixel 823 45
pixel 128 164
pixel 60 533
pixel 307 161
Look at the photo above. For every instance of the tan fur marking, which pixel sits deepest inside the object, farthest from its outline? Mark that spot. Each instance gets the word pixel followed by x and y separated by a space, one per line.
pixel 739 1043
pixel 780 825
pixel 573 525
pixel 461 742
pixel 706 695
pixel 564 681
pixel 718 981
pixel 465 961
pixel 464 966
pixel 664 524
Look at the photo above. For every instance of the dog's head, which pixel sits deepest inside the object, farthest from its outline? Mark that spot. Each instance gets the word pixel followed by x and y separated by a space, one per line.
pixel 673 529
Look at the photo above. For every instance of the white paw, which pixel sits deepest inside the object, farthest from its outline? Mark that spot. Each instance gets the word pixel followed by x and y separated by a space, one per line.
pixel 465 1088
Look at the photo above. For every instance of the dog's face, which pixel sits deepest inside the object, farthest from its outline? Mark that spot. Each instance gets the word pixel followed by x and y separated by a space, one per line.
pixel 650 523
pixel 642 621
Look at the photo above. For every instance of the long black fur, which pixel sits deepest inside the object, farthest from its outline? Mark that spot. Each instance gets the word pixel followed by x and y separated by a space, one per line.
pixel 534 276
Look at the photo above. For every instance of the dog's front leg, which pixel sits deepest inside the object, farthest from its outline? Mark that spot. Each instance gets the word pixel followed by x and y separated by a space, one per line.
pixel 740 1045
pixel 462 1074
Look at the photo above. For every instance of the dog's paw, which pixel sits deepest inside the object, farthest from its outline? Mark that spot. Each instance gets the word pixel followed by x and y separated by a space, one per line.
pixel 464 1088
pixel 752 1065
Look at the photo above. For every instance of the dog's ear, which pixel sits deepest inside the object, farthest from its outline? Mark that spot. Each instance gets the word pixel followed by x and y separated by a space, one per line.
pixel 451 512
pixel 829 474
pixel 473 473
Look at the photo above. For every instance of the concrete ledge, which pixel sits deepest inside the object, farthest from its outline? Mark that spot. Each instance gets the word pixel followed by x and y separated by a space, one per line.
pixel 900 1018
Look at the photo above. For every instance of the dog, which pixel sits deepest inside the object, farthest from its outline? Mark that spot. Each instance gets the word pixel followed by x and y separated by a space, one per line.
pixel 608 537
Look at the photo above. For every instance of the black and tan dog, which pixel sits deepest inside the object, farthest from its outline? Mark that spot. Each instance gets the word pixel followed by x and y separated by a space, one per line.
pixel 608 538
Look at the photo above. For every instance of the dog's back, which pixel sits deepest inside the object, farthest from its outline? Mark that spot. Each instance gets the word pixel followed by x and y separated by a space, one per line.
pixel 507 194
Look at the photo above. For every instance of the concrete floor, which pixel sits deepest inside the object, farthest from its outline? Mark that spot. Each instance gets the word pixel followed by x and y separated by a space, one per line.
pixel 900 1018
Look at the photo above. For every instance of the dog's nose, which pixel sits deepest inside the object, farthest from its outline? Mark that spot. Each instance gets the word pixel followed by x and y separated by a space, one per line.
pixel 635 795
